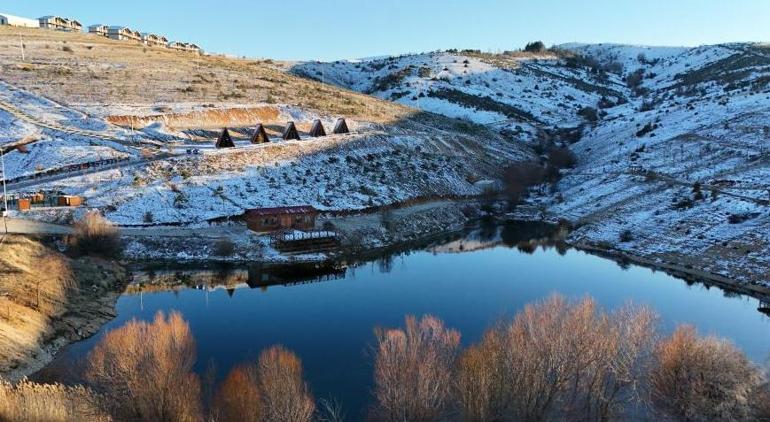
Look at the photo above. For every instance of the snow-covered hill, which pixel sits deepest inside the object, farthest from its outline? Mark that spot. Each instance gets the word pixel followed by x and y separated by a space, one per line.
pixel 675 165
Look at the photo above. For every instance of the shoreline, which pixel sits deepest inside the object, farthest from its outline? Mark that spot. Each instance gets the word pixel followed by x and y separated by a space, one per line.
pixel 88 327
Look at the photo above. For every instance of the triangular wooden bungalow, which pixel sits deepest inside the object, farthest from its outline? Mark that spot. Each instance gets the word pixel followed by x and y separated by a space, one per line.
pixel 290 132
pixel 259 136
pixel 318 129
pixel 224 140
pixel 341 127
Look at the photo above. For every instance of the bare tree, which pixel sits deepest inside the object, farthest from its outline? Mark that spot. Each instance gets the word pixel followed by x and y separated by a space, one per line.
pixel 147 369
pixel 702 378
pixel 557 359
pixel 270 390
pixel 285 394
pixel 413 370
pixel 239 397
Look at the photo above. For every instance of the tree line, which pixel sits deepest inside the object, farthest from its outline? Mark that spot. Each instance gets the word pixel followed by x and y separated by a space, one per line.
pixel 556 359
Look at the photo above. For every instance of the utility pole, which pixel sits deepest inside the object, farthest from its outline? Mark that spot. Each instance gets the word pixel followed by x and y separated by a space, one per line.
pixel 5 190
pixel 21 44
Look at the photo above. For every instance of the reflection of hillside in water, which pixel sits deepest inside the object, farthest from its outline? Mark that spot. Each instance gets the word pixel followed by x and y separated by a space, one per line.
pixel 231 278
pixel 524 236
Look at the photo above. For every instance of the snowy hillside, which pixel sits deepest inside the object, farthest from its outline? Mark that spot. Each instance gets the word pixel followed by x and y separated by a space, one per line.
pixel 674 165
pixel 518 92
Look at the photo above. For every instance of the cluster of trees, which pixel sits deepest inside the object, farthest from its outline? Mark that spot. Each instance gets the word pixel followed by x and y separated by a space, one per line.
pixel 556 359
pixel 519 177
pixel 559 359
pixel 95 236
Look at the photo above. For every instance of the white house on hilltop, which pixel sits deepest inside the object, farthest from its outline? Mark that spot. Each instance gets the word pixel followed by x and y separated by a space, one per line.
pixel 122 33
pixel 11 20
pixel 101 30
pixel 153 40
pixel 59 23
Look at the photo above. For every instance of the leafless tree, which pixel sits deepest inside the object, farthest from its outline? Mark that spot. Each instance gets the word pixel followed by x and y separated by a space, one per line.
pixel 285 394
pixel 147 369
pixel 413 370
pixel 558 358
pixel 702 378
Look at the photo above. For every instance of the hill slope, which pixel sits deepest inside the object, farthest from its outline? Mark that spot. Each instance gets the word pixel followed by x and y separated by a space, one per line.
pixel 672 154
pixel 137 111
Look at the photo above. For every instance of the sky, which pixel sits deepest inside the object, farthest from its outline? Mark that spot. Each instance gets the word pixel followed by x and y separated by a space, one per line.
pixel 346 29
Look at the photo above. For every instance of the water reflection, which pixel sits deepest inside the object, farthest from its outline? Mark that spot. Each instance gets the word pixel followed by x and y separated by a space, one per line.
pixel 326 313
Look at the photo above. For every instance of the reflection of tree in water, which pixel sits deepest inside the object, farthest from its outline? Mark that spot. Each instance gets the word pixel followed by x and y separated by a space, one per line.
pixel 527 236
pixel 488 230
pixel 385 263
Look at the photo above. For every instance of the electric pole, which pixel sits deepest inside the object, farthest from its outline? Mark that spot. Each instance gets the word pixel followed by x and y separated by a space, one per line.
pixel 5 190
pixel 21 44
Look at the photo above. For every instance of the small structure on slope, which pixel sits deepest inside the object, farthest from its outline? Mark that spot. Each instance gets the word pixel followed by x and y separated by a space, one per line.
pixel 224 140
pixel 290 132
pixel 300 217
pixel 341 127
pixel 260 135
pixel 318 129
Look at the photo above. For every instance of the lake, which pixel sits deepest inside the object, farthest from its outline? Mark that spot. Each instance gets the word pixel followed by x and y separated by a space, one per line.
pixel 469 281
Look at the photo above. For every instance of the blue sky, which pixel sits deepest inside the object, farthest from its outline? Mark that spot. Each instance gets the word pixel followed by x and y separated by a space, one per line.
pixel 332 29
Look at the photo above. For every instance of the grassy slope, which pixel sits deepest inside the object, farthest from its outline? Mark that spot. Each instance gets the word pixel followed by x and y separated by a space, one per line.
pixel 86 69
pixel 45 295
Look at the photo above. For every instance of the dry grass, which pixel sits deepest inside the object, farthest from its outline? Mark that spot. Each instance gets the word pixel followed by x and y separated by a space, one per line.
pixel 96 236
pixel 413 370
pixel 99 70
pixel 32 402
pixel 34 287
pixel 146 368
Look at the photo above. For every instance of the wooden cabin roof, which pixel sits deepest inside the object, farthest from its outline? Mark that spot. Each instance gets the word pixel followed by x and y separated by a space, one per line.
pixel 297 209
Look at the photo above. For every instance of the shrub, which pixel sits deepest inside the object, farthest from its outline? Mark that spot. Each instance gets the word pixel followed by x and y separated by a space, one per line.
pixel 95 235
pixel 626 236
pixel 702 378
pixel 561 158
pixel 535 47
pixel 146 369
pixel 413 370
pixel 270 390
pixel 28 401
pixel 589 114
pixel 557 360
pixel 224 247
pixel 148 217
pixel 519 177
pixel 67 49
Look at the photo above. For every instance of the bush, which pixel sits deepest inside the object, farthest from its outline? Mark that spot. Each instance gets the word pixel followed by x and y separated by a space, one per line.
pixel 270 390
pixel 27 401
pixel 67 49
pixel 626 236
pixel 413 370
pixel 535 47
pixel 561 158
pixel 589 114
pixel 558 360
pixel 146 369
pixel 702 378
pixel 94 235
pixel 148 217
pixel 519 177
pixel 224 247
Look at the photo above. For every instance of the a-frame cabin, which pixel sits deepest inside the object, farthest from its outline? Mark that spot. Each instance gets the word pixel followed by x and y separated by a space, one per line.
pixel 341 127
pixel 318 129
pixel 224 140
pixel 259 136
pixel 290 133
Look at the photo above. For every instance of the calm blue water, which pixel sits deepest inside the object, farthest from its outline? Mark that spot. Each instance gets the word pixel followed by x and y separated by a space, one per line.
pixel 330 324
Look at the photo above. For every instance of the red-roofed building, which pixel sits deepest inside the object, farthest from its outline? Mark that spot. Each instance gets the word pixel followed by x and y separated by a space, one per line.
pixel 300 217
